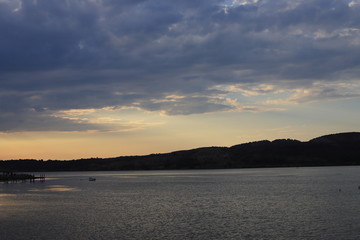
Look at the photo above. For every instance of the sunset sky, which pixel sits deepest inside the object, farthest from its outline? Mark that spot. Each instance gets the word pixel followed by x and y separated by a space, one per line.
pixel 106 78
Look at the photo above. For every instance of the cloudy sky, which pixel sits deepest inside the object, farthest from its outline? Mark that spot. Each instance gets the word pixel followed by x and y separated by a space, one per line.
pixel 102 78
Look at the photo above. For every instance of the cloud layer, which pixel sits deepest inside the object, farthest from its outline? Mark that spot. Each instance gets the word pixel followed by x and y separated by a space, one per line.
pixel 172 57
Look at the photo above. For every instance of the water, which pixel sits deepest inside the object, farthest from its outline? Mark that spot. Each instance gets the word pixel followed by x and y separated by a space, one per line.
pixel 279 203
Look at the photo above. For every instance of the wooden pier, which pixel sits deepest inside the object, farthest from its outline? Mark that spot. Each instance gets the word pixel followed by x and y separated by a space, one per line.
pixel 10 177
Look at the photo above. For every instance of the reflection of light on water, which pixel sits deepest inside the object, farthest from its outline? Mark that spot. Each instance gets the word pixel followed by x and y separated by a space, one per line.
pixel 127 176
pixel 7 199
pixel 7 194
pixel 54 188
pixel 3 200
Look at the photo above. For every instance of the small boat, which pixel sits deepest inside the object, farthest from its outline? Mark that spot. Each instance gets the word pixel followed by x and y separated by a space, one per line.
pixel 92 179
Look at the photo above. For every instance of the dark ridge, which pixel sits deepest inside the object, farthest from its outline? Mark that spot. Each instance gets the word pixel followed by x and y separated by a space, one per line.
pixel 338 138
pixel 330 150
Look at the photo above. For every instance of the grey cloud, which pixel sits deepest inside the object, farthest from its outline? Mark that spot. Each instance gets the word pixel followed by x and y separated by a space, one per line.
pixel 326 93
pixel 60 55
pixel 40 121
pixel 18 113
pixel 45 34
pixel 185 106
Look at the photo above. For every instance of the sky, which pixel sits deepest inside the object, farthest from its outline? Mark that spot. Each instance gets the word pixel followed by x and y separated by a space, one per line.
pixel 107 78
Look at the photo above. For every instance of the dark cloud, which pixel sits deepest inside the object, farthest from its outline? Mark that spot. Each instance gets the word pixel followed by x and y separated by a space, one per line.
pixel 79 54
pixel 18 114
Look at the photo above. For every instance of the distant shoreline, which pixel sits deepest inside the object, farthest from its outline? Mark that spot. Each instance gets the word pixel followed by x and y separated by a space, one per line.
pixel 342 149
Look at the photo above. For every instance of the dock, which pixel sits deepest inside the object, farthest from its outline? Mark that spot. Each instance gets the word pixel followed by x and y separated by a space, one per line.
pixel 11 177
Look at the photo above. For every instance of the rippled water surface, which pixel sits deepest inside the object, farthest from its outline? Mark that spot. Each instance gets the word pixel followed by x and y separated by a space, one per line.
pixel 279 203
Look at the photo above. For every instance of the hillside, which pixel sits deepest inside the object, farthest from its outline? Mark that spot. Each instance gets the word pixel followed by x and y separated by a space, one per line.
pixel 329 150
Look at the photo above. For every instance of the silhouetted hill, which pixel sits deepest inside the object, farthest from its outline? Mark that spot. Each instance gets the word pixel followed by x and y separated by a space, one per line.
pixel 329 150
pixel 345 139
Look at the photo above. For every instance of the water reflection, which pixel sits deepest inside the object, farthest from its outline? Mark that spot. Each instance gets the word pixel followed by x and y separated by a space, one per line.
pixel 53 188
pixel 7 195
pixel 302 203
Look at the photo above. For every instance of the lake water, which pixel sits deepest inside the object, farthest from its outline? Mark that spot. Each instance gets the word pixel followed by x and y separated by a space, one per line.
pixel 278 203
